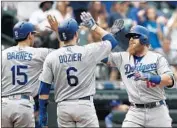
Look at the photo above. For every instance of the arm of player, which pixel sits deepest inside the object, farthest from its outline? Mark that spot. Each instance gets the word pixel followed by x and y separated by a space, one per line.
pixel 166 80
pixel 89 22
pixel 43 102
pixel 161 80
pixel 46 79
pixel 166 74
pixel 164 77
pixel 117 26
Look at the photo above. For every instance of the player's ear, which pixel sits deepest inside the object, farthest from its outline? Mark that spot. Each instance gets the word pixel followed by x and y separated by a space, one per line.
pixel 30 36
pixel 76 34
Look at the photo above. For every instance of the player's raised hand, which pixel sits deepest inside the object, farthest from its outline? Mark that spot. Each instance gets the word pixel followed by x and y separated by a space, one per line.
pixel 53 23
pixel 87 20
pixel 117 26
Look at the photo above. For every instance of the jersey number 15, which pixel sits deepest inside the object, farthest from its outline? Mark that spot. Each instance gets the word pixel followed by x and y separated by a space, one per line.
pixel 16 71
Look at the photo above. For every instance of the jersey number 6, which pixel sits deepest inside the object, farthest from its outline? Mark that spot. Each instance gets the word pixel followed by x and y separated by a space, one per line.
pixel 16 72
pixel 72 79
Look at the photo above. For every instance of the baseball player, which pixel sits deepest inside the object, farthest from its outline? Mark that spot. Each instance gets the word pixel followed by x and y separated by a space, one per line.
pixel 72 70
pixel 145 74
pixel 21 67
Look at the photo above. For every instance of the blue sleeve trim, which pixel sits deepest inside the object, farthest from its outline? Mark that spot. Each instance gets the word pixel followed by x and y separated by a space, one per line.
pixel 44 88
pixel 112 39
pixel 43 116
pixel 155 79
pixel 105 60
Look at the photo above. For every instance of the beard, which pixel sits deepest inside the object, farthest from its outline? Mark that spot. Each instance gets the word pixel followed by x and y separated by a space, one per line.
pixel 133 49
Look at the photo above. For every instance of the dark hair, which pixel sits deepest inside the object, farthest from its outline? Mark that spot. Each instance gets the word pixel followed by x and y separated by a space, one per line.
pixel 42 3
pixel 146 12
pixel 22 39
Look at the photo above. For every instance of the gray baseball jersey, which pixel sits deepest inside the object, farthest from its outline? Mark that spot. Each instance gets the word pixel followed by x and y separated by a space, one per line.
pixel 72 69
pixel 21 68
pixel 141 91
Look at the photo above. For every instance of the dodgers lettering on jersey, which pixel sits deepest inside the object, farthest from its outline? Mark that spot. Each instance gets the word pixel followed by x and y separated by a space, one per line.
pixel 140 67
pixel 72 69
pixel 130 70
pixel 21 68
pixel 70 57
pixel 141 91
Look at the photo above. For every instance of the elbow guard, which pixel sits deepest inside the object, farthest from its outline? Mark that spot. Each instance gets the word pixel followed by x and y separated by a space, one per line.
pixel 111 39
pixel 44 88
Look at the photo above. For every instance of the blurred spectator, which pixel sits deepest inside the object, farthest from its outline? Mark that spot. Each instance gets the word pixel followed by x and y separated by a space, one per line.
pixel 40 16
pixel 133 12
pixel 9 6
pixel 25 9
pixel 172 4
pixel 39 19
pixel 148 19
pixel 120 11
pixel 8 17
pixel 115 6
pixel 136 7
pixel 170 54
pixel 78 8
pixel 102 18
pixel 63 11
pixel 172 30
pixel 115 106
pixel 108 5
pixel 97 9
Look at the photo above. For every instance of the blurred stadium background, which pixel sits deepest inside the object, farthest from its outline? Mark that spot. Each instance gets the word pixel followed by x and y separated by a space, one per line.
pixel 159 17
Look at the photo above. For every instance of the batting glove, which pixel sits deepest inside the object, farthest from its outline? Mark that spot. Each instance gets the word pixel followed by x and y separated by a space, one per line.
pixel 117 26
pixel 88 21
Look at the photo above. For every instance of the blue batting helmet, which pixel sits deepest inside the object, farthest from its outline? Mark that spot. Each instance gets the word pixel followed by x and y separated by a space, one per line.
pixel 140 31
pixel 67 29
pixel 22 29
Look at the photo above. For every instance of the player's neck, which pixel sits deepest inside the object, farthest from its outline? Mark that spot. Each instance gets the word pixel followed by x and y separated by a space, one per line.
pixel 72 42
pixel 23 43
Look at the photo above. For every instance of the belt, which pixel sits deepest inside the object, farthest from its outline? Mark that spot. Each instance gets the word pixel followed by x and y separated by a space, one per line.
pixel 149 105
pixel 83 98
pixel 17 97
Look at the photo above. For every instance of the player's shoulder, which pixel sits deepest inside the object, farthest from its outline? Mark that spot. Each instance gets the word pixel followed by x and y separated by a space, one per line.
pixel 124 53
pixel 43 50
pixel 155 54
pixel 53 53
pixel 8 49
pixel 38 49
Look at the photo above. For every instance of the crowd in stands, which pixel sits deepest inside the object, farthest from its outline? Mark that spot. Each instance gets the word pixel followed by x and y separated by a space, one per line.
pixel 160 18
